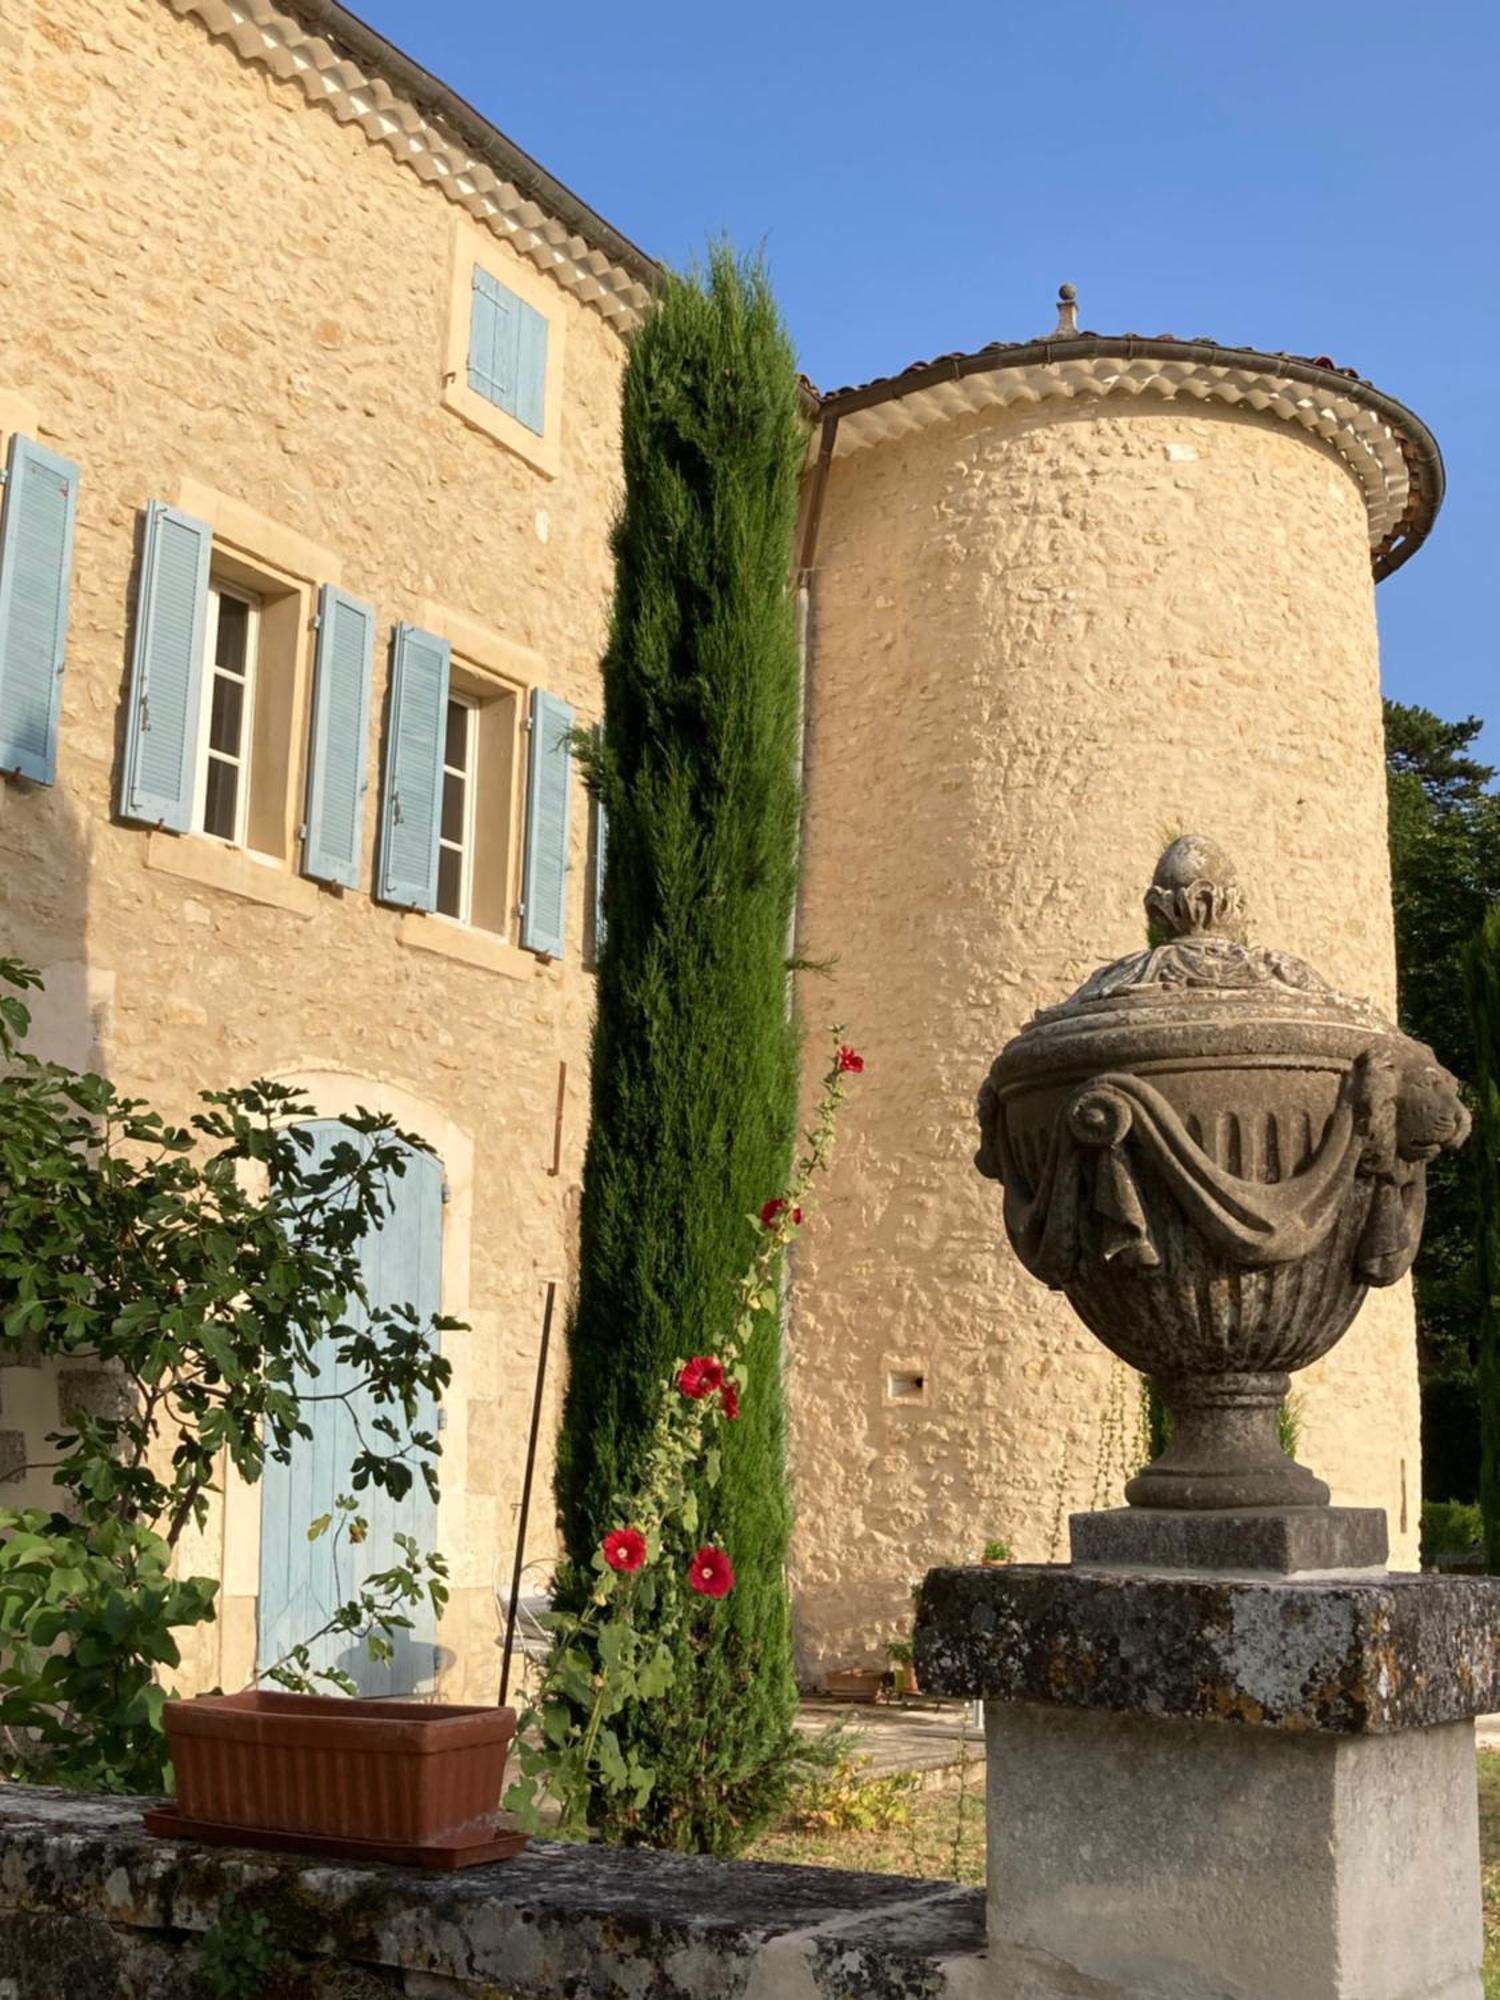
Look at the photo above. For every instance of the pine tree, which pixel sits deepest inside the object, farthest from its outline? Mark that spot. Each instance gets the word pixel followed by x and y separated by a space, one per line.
pixel 694 1080
pixel 1482 967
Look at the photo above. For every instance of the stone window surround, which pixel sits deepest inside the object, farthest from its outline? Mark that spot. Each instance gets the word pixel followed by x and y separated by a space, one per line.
pixel 336 1093
pixel 492 670
pixel 18 415
pixel 470 246
pixel 284 569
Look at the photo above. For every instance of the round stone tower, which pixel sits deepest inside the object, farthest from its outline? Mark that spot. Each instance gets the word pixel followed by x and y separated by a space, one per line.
pixel 1066 600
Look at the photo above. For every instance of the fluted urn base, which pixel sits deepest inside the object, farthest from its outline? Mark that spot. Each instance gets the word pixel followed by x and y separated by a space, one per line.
pixel 1225 1451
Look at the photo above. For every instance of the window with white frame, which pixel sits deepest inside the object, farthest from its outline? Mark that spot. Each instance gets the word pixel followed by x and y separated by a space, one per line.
pixel 227 718
pixel 455 881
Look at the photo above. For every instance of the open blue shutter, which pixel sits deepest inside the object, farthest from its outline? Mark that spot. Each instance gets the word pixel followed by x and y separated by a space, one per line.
pixel 340 732
pixel 492 341
pixel 166 675
pixel 414 770
pixel 36 567
pixel 531 367
pixel 549 779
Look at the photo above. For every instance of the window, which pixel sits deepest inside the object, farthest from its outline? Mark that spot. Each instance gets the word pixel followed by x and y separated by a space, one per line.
pixel 507 351
pixel 247 715
pixel 222 798
pixel 451 785
pixel 456 822
pixel 504 346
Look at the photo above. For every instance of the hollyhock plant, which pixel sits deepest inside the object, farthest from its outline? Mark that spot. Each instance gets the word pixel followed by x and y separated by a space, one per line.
pixel 775 1209
pixel 633 1618
pixel 625 1550
pixel 712 1573
pixel 701 1377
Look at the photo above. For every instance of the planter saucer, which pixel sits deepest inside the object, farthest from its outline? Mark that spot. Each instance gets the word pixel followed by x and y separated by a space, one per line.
pixel 460 1850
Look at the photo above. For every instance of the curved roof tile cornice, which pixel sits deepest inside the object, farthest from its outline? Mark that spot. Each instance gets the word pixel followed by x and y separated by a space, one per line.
pixel 1391 453
pixel 474 165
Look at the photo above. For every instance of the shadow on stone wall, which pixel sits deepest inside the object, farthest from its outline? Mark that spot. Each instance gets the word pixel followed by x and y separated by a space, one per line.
pixel 44 890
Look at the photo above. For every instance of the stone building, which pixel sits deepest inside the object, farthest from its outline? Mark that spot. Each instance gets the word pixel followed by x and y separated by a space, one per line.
pixel 308 382
pixel 1068 599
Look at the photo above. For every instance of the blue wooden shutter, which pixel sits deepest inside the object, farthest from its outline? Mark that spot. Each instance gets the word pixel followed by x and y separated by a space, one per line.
pixel 166 675
pixel 601 860
pixel 549 779
pixel 492 341
pixel 302 1583
pixel 340 732
pixel 414 770
pixel 508 352
pixel 531 367
pixel 36 567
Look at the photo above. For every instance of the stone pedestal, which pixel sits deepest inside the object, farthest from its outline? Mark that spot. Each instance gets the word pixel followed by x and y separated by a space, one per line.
pixel 1225 1787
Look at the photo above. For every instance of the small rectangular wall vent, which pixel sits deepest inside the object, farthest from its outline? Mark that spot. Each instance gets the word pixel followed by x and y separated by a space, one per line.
pixel 905 1385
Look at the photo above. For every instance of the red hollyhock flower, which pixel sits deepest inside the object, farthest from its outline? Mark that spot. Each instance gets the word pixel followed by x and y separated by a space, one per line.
pixel 712 1573
pixel 773 1211
pixel 701 1377
pixel 729 1396
pixel 851 1062
pixel 625 1549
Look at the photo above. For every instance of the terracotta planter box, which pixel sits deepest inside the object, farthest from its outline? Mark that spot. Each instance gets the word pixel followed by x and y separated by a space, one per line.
pixel 394 1780
pixel 855 1683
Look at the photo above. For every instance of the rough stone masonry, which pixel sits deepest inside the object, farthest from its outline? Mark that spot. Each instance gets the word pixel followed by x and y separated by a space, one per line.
pixel 92 1906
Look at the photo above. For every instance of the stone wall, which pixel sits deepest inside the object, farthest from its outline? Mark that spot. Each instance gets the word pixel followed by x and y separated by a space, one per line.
pixel 90 1904
pixel 214 294
pixel 1043 643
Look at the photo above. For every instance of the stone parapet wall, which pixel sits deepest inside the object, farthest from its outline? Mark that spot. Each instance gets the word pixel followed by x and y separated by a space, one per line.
pixel 90 1904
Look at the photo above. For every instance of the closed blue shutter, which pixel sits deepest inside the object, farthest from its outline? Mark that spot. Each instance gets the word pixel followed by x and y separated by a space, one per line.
pixel 508 352
pixel 531 367
pixel 492 341
pixel 414 770
pixel 166 675
pixel 549 779
pixel 303 1583
pixel 340 731
pixel 36 566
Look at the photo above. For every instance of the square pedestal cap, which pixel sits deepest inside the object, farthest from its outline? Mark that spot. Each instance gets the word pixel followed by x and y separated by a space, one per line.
pixel 1355 1656
pixel 1278 1541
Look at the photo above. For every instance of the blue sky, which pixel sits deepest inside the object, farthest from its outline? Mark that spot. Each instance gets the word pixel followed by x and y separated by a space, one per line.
pixel 1322 180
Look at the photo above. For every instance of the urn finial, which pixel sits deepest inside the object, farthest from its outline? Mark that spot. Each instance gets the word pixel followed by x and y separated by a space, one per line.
pixel 1067 314
pixel 1195 892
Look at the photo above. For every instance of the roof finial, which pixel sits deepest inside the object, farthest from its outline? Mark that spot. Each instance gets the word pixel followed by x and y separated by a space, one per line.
pixel 1067 313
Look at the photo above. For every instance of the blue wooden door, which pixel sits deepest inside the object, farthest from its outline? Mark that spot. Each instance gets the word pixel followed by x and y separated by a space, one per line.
pixel 302 1582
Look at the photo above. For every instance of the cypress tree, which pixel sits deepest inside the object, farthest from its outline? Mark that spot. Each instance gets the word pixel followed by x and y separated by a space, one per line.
pixel 1482 979
pixel 694 1073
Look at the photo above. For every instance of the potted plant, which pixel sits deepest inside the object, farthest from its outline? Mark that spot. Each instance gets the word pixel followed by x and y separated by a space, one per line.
pixel 996 1553
pixel 383 1780
pixel 854 1683
pixel 903 1666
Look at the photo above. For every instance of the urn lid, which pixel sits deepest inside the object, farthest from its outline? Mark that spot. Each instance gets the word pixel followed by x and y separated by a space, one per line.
pixel 1199 989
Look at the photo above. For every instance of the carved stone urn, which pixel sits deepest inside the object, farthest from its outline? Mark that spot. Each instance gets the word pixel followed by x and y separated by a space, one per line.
pixel 1213 1154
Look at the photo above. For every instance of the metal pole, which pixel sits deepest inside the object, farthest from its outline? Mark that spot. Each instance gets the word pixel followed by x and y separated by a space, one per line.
pixel 536 1425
